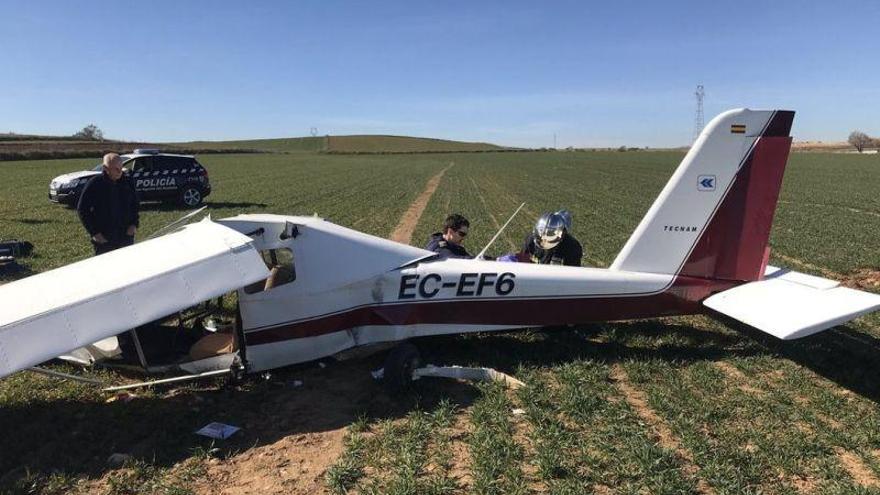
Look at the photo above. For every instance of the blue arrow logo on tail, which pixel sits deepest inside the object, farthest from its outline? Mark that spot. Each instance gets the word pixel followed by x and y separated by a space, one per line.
pixel 706 183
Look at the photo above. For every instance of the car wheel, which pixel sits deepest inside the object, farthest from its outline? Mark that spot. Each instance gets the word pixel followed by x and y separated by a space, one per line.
pixel 191 196
pixel 399 366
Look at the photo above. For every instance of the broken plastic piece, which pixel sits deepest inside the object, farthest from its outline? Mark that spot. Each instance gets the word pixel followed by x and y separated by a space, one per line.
pixel 218 431
pixel 123 397
pixel 473 374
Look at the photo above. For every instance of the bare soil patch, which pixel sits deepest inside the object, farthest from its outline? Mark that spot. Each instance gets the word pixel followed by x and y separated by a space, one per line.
pixel 299 433
pixel 404 230
pixel 802 484
pixel 824 271
pixel 774 377
pixel 461 456
pixel 804 428
pixel 522 434
pixel 856 468
pixel 831 422
pixel 294 464
pixel 863 278
pixel 739 378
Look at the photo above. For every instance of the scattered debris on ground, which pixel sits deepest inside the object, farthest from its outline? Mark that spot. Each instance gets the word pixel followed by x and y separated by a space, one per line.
pixel 217 431
pixel 470 374
pixel 863 279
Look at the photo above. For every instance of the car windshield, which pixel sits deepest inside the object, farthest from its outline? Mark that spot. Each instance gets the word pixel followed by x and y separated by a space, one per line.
pixel 97 168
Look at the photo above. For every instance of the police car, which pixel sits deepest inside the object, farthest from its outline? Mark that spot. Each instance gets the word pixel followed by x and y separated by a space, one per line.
pixel 156 176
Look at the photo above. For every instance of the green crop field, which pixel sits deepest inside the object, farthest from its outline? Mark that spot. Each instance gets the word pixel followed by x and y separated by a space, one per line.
pixel 673 405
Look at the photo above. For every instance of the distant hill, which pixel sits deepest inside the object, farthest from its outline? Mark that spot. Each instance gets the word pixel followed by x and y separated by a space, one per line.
pixel 31 137
pixel 27 147
pixel 401 144
pixel 276 145
pixel 346 144
pixel 30 147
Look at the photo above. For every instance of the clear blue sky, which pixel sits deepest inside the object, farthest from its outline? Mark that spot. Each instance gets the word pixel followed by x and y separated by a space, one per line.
pixel 515 73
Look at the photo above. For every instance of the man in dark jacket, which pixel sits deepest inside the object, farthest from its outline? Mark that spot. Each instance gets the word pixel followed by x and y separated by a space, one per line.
pixel 448 242
pixel 108 207
pixel 551 242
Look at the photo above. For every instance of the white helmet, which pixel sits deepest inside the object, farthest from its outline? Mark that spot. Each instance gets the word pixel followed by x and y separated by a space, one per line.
pixel 549 230
pixel 566 217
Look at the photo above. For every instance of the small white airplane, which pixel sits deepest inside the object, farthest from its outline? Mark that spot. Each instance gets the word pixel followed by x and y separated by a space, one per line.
pixel 308 289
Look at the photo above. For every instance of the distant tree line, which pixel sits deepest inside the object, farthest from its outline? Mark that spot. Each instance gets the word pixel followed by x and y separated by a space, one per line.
pixel 90 132
pixel 859 140
pixel 99 150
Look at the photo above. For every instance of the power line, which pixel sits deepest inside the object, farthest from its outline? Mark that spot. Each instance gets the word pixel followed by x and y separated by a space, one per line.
pixel 698 119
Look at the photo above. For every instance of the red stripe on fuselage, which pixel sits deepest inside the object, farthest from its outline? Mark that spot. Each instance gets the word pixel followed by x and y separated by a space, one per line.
pixel 682 297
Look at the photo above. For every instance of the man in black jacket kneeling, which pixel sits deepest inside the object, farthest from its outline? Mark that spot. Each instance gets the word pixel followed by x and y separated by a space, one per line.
pixel 448 242
pixel 108 207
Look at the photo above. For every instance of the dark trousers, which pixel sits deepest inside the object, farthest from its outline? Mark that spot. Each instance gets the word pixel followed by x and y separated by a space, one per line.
pixel 113 242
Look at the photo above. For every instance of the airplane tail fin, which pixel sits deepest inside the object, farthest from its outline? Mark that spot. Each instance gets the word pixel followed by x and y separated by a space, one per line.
pixel 713 218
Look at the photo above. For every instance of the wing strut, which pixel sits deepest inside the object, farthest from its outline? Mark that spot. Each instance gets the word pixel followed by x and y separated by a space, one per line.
pixel 483 252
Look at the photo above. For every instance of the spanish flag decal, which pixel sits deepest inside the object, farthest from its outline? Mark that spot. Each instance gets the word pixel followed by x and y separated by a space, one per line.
pixel 738 128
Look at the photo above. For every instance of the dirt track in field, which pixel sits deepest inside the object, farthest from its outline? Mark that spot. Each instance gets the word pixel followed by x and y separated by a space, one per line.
pixel 404 230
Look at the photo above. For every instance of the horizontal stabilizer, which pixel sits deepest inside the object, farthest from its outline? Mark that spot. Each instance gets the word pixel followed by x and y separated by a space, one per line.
pixel 51 313
pixel 791 305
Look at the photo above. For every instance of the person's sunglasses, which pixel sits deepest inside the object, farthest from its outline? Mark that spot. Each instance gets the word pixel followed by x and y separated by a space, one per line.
pixel 461 232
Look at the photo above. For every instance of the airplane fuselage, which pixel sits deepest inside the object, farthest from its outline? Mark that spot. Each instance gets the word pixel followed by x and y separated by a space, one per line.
pixel 300 322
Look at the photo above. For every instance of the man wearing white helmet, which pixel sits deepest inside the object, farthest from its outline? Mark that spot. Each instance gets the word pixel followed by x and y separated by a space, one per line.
pixel 551 242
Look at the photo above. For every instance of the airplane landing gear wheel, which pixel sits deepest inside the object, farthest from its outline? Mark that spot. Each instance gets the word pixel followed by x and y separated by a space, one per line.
pixel 236 376
pixel 399 366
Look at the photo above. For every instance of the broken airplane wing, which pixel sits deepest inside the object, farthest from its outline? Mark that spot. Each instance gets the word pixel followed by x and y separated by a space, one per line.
pixel 63 309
